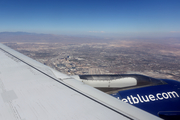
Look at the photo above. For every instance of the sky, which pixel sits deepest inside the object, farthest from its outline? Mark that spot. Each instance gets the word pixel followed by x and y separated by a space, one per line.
pixel 129 18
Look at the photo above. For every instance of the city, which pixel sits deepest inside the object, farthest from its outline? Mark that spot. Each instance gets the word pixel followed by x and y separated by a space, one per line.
pixel 151 59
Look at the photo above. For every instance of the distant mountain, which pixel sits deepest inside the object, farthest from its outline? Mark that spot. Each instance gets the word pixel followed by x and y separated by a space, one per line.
pixel 16 33
pixel 34 37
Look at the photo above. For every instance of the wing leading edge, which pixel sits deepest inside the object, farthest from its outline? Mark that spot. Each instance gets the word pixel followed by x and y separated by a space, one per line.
pixel 30 90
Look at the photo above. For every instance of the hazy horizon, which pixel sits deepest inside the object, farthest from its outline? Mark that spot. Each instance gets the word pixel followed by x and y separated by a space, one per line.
pixel 40 37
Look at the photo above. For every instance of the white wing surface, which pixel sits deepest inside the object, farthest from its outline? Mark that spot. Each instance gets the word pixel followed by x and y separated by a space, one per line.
pixel 32 91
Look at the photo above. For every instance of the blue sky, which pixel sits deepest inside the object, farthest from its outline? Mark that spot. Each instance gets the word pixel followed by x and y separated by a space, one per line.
pixel 133 18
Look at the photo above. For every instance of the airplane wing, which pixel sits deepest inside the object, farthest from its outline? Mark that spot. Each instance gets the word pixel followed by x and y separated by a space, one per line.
pixel 32 91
